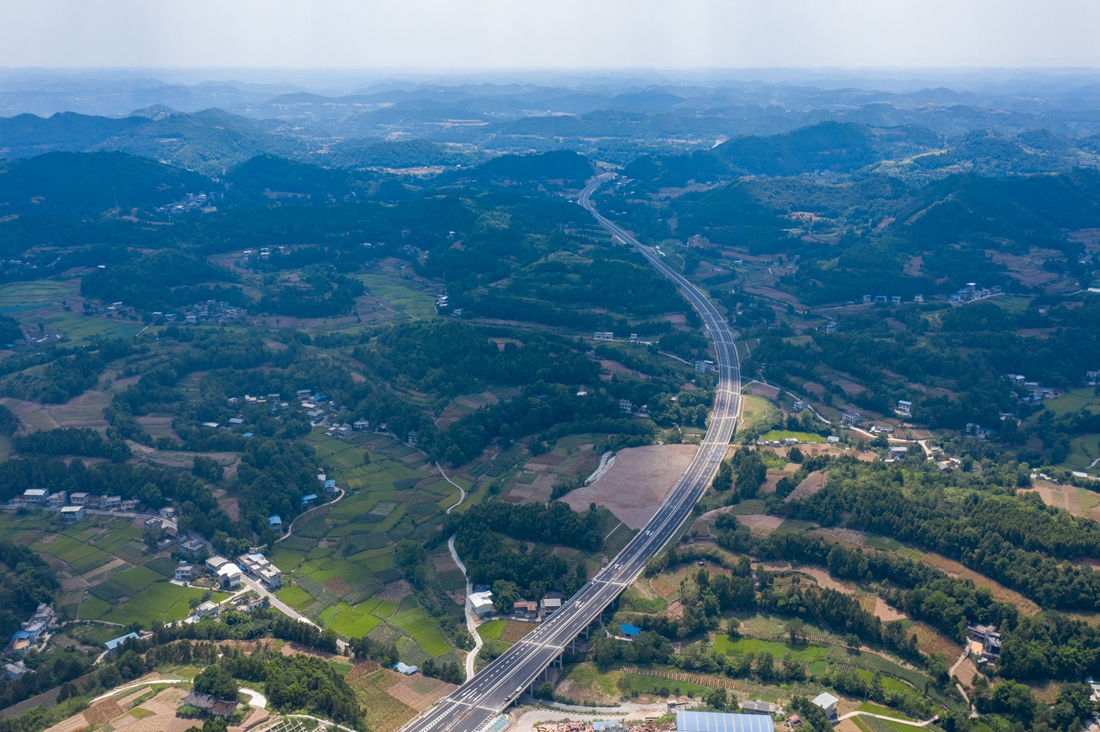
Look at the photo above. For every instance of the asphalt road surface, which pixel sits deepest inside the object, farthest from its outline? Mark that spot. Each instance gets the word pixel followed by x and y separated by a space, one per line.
pixel 477 702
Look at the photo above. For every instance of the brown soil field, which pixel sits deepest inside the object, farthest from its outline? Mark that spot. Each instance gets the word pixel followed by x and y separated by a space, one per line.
pixel 538 491
pixel 361 669
pixel 102 712
pixel 826 581
pixel 763 390
pixel 759 523
pixel 514 630
pixel 810 485
pixel 1000 592
pixel 931 641
pixel 637 484
pixel 886 613
pixel 419 692
pixel 966 671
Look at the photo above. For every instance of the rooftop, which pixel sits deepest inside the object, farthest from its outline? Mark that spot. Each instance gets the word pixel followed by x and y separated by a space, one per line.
pixel 718 722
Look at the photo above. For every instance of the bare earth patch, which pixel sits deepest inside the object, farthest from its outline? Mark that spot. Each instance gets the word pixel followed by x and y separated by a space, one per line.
pixel 762 390
pixel 826 581
pixel 515 630
pixel 637 484
pixel 810 485
pixel 102 712
pixel 419 692
pixel 885 613
pixel 759 523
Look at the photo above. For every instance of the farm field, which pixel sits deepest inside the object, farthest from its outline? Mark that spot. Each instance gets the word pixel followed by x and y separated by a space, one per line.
pixel 788 434
pixel 404 300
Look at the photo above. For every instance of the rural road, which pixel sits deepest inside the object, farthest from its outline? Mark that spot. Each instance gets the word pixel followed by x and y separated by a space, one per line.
pixel 476 703
pixel 461 496
pixel 470 625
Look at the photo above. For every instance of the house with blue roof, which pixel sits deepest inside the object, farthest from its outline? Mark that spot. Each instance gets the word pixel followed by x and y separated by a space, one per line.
pixel 720 722
pixel 115 643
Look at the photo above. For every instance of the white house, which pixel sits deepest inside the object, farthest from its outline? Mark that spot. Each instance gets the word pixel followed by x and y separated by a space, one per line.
pixel 72 514
pixel 229 575
pixel 35 496
pixel 827 702
pixel 482 603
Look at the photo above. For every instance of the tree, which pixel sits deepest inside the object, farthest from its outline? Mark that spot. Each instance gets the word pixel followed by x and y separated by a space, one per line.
pixel 1014 700
pixel 795 455
pixel 717 699
pixel 207 469
pixel 504 595
pixel 796 630
pixel 723 481
pixel 216 681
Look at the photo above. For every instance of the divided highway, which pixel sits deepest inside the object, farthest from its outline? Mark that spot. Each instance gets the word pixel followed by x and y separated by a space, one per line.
pixel 477 702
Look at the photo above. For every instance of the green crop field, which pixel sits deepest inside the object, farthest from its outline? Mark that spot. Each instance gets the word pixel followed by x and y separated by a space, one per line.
pixel 296 597
pixel 492 629
pixel 350 572
pixel 1074 400
pixel 163 602
pixel 353 624
pixel 18 297
pixel 787 434
pixel 402 299
pixel 385 608
pixel 136 579
pixel 286 559
pixel 81 327
pixel 92 608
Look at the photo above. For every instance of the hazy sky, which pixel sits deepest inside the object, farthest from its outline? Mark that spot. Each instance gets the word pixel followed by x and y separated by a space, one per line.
pixel 561 34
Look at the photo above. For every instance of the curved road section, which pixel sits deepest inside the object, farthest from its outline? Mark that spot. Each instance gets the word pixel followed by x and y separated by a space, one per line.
pixel 477 702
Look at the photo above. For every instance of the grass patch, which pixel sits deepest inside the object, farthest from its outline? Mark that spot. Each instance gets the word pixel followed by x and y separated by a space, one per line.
pixel 295 596
pixel 492 629
pixel 872 708
pixel 137 579
pixel 787 434
pixel 93 609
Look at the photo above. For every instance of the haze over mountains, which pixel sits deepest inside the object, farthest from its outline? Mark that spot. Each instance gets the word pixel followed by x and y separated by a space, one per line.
pixel 1046 123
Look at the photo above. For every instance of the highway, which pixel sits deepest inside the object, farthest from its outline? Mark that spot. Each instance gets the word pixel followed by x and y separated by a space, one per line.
pixel 477 702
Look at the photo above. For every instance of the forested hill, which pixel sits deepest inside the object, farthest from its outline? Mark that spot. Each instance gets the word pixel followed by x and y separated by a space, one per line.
pixel 90 183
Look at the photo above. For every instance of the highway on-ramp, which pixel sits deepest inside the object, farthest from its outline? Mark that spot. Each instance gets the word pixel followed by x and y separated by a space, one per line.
pixel 477 702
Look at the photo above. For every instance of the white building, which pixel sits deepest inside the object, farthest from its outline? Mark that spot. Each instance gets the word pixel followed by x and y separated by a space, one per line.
pixel 184 572
pixel 35 496
pixel 72 514
pixel 827 702
pixel 482 603
pixel 904 408
pixel 207 609
pixel 229 575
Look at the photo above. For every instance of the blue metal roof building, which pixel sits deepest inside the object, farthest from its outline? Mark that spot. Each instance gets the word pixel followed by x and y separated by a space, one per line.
pixel 116 642
pixel 716 722
pixel 630 630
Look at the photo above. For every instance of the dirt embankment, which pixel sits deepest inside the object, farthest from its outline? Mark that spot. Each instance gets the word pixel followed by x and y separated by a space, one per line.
pixel 637 484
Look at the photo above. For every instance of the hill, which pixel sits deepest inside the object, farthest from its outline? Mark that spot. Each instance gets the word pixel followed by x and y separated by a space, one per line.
pixel 563 165
pixel 210 142
pixel 93 182
pixel 267 178
pixel 26 135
